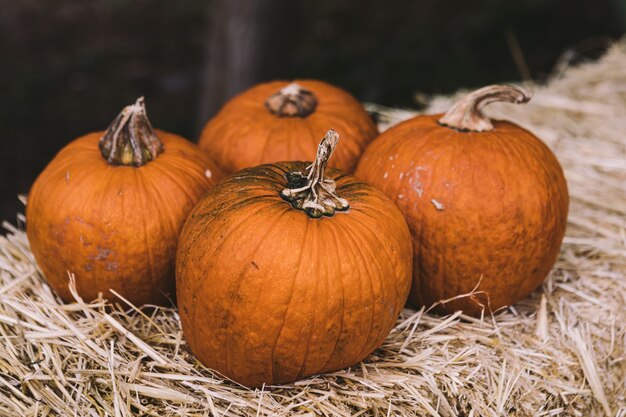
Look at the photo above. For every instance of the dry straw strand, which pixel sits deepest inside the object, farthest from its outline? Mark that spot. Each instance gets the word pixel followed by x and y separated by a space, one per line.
pixel 561 351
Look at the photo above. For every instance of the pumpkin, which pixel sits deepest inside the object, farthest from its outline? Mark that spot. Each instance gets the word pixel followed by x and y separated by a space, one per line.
pixel 110 206
pixel 291 269
pixel 486 202
pixel 282 121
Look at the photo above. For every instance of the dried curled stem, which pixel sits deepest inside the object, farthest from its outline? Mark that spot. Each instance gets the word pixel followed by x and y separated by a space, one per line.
pixel 466 114
pixel 312 192
pixel 292 101
pixel 130 138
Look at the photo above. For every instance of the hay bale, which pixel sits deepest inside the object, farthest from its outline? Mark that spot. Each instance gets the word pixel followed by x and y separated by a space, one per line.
pixel 561 351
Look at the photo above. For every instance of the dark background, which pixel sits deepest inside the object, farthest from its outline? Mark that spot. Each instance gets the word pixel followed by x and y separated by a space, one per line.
pixel 67 67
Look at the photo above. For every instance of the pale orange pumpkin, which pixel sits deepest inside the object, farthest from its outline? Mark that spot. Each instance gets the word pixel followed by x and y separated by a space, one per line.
pixel 486 202
pixel 110 206
pixel 288 269
pixel 282 121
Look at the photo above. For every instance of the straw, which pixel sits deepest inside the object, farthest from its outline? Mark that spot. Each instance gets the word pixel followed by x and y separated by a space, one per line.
pixel 561 351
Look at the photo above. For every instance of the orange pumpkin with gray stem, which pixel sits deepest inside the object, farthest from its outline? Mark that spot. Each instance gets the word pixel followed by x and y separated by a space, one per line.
pixel 486 202
pixel 283 121
pixel 291 269
pixel 110 206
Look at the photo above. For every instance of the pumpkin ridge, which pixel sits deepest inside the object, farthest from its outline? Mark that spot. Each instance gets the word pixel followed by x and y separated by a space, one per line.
pixel 354 190
pixel 238 204
pixel 228 154
pixel 419 275
pixel 50 186
pixel 343 175
pixel 324 368
pixel 358 250
pixel 283 168
pixel 166 173
pixel 538 149
pixel 326 296
pixel 379 213
pixel 279 185
pixel 86 202
pixel 321 255
pixel 218 249
pixel 444 283
pixel 167 202
pixel 398 146
pixel 440 280
pixel 250 178
pixel 208 220
pixel 313 322
pixel 225 157
pixel 291 292
pixel 194 238
pixel 103 192
pixel 510 151
pixel 179 163
pixel 299 135
pixel 237 287
pixel 266 144
pixel 365 213
pixel 65 163
pixel 142 200
pixel 380 245
pixel 266 182
pixel 393 149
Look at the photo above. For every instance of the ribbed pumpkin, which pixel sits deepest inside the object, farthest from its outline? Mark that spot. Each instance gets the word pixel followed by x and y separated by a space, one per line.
pixel 282 121
pixel 486 202
pixel 285 271
pixel 110 206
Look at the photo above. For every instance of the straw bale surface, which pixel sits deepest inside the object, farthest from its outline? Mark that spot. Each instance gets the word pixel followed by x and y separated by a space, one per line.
pixel 560 352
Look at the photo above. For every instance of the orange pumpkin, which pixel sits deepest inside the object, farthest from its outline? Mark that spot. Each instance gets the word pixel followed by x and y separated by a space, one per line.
pixel 486 202
pixel 282 121
pixel 110 206
pixel 284 271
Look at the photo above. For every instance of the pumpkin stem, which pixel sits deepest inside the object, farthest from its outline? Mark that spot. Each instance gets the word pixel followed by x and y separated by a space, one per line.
pixel 130 138
pixel 466 114
pixel 292 101
pixel 312 192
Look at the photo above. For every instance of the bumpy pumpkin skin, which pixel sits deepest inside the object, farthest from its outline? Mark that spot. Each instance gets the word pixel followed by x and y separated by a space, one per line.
pixel 245 133
pixel 115 226
pixel 268 295
pixel 488 207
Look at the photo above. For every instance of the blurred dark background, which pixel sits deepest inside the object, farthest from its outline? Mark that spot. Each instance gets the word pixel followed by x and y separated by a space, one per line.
pixel 67 67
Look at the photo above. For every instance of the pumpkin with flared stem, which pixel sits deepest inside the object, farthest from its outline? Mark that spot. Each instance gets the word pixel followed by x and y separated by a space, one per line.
pixel 282 121
pixel 486 202
pixel 110 206
pixel 291 269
